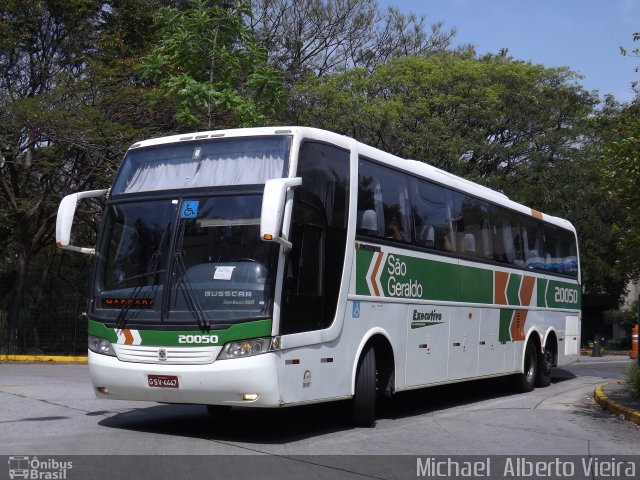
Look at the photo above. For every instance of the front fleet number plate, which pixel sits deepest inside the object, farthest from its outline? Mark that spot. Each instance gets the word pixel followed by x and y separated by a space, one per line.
pixel 163 381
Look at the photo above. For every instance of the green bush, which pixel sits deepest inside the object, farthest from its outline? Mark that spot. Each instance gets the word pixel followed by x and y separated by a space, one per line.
pixel 632 378
pixel 618 343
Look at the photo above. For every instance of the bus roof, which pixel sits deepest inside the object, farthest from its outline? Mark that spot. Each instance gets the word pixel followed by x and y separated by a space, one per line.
pixel 415 167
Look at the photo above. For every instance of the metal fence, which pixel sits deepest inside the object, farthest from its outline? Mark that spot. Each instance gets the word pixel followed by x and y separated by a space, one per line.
pixel 49 322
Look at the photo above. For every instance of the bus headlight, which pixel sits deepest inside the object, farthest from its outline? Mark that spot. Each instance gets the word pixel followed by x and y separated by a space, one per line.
pixel 246 348
pixel 101 345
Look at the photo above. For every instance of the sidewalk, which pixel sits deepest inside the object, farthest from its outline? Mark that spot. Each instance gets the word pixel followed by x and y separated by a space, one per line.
pixel 615 396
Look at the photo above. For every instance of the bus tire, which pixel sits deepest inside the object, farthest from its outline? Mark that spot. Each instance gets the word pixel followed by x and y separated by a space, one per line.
pixel 544 368
pixel 364 399
pixel 526 381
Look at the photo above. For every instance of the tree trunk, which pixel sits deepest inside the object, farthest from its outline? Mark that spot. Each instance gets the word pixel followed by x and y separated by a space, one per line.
pixel 16 302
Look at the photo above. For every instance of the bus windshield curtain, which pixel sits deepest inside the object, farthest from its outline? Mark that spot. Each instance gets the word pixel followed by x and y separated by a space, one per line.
pixel 242 169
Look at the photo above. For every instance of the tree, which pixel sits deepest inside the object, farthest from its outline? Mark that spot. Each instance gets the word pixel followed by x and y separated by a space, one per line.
pixel 323 36
pixel 633 53
pixel 42 48
pixel 207 59
pixel 61 130
pixel 127 34
pixel 621 172
pixel 471 116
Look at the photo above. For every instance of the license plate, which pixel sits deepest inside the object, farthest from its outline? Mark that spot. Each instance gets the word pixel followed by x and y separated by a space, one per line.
pixel 163 381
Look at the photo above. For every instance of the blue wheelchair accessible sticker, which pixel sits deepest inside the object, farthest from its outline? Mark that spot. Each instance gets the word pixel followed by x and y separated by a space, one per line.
pixel 190 209
pixel 356 310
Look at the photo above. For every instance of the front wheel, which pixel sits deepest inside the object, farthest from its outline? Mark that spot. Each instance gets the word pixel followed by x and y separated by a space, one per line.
pixel 364 400
pixel 525 381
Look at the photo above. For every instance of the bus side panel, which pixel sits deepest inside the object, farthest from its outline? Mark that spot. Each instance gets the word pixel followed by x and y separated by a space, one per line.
pixel 571 348
pixel 324 371
pixel 427 344
pixel 314 373
pixel 567 327
pixel 464 342
pixel 494 356
pixel 367 318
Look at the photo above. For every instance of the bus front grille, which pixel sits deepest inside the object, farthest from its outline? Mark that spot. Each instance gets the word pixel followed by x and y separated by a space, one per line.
pixel 166 355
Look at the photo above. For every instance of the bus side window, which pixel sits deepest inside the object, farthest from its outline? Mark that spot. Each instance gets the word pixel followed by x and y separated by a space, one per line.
pixel 368 223
pixel 568 253
pixel 505 231
pixel 383 195
pixel 431 209
pixel 552 255
pixel 370 214
pixel 533 244
pixel 472 229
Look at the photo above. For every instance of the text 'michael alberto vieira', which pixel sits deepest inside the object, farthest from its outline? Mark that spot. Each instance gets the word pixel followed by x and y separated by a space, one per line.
pixel 522 467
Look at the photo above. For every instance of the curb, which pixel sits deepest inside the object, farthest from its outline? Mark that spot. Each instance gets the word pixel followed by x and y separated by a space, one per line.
pixel 43 358
pixel 601 399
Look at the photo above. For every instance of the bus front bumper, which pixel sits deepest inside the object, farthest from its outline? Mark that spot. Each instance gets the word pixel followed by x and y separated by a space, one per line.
pixel 234 382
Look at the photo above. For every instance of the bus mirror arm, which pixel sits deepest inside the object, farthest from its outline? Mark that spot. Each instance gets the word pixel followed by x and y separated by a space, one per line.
pixel 64 220
pixel 273 205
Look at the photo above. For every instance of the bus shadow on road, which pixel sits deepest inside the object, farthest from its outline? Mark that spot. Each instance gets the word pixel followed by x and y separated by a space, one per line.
pixel 561 375
pixel 278 426
pixel 440 398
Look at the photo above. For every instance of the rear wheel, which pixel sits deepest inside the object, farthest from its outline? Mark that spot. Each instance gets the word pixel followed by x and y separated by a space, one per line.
pixel 525 381
pixel 364 400
pixel 544 370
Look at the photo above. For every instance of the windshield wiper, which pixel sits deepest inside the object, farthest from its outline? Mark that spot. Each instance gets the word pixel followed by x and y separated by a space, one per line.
pixel 203 322
pixel 152 270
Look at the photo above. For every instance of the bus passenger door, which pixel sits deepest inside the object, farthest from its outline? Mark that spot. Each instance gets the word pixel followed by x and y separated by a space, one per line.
pixel 302 296
pixel 302 305
pixel 312 277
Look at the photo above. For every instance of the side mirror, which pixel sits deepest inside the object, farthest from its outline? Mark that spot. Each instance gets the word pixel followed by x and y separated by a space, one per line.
pixel 64 221
pixel 273 203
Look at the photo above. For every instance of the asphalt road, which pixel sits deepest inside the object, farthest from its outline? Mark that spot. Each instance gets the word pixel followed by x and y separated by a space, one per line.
pixel 50 409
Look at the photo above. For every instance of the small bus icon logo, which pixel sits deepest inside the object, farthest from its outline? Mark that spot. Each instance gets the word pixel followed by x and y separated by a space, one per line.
pixel 18 467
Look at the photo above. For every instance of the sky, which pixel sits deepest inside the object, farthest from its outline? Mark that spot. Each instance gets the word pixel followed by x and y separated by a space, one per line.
pixel 584 35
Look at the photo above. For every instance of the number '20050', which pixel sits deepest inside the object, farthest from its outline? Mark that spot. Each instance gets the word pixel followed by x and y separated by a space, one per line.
pixel 566 295
pixel 197 339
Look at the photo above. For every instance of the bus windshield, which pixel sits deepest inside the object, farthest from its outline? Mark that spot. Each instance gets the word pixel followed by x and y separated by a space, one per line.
pixel 185 260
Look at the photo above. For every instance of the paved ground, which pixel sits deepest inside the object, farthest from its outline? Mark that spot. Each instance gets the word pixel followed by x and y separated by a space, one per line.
pixel 50 409
pixel 49 413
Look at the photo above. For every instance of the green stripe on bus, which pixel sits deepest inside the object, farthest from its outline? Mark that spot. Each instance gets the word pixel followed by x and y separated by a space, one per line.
pixel 409 277
pixel 504 334
pixel 513 289
pixel 563 295
pixel 98 329
pixel 542 289
pixel 238 331
pixel 403 276
pixel 363 260
pixel 476 285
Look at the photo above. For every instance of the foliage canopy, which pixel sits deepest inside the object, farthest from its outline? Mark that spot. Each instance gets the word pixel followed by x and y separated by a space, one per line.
pixel 83 79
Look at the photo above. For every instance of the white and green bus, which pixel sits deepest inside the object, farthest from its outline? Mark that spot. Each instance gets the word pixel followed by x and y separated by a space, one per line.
pixel 271 267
